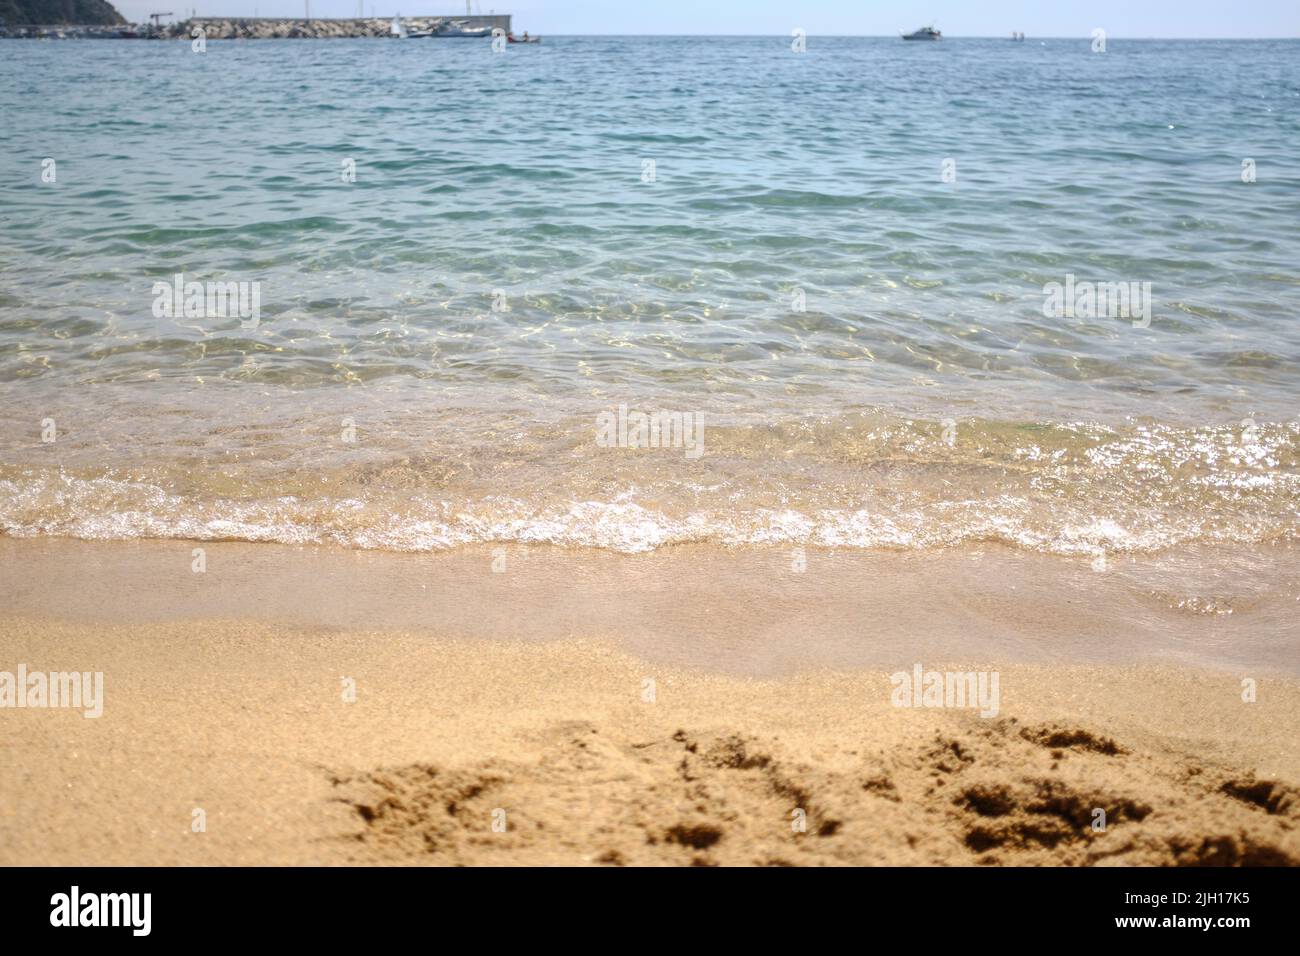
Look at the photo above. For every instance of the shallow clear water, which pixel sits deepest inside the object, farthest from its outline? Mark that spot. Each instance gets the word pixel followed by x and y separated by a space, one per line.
pixel 516 180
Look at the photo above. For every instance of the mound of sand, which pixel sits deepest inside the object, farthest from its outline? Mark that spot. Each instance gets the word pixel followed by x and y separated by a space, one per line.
pixel 976 792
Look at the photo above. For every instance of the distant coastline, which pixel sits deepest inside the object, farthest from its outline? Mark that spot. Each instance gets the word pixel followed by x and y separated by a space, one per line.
pixel 83 13
pixel 254 28
pixel 249 28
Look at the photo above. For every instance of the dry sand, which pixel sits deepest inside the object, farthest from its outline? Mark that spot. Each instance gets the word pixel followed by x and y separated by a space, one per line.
pixel 553 735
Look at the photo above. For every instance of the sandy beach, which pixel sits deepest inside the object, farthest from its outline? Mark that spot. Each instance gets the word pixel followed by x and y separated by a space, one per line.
pixel 649 435
pixel 309 706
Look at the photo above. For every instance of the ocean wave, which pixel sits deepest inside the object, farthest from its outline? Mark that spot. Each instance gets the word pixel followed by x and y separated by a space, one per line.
pixel 630 522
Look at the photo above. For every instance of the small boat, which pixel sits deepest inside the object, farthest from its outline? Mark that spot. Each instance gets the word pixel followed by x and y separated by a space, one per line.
pixel 458 28
pixel 925 33
pixel 511 38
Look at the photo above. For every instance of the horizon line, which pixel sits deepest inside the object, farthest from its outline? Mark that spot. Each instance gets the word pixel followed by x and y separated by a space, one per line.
pixel 847 36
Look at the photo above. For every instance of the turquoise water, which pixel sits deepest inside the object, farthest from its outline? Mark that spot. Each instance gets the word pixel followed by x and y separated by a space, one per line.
pixel 518 180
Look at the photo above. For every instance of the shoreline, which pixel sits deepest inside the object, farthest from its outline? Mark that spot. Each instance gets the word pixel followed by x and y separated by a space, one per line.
pixel 320 706
pixel 749 612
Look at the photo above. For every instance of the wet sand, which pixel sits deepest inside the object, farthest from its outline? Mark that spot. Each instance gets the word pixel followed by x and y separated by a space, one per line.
pixel 693 706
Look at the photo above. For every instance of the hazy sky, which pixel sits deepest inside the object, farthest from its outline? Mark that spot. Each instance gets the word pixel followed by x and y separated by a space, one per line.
pixel 1042 18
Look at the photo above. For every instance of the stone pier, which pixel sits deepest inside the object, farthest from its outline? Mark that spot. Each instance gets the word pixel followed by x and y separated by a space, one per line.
pixel 258 28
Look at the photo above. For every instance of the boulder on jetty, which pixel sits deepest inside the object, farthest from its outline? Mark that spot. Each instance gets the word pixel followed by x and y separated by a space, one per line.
pixel 249 28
